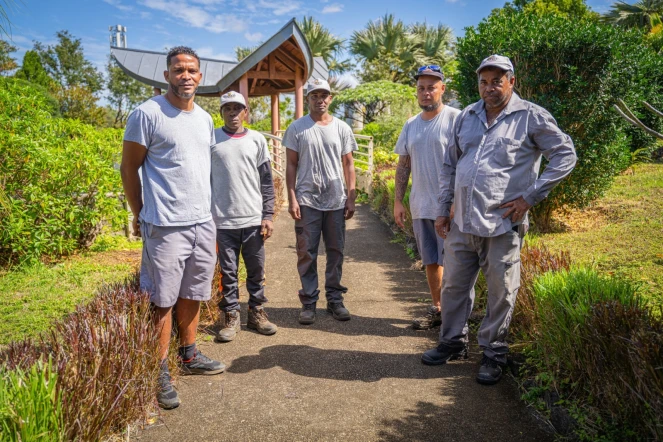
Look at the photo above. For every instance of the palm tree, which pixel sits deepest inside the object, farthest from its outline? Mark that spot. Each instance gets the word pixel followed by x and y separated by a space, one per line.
pixel 642 14
pixel 326 45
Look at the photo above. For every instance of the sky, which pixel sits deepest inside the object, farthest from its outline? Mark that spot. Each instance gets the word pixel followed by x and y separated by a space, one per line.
pixel 215 27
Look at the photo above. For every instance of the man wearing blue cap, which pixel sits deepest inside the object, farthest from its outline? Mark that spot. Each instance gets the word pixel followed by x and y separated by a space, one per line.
pixel 491 174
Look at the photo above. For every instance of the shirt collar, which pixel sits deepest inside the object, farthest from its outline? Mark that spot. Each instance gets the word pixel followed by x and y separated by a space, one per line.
pixel 515 104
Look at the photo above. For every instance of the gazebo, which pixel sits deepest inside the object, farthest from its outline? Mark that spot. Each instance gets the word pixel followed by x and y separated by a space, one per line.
pixel 282 64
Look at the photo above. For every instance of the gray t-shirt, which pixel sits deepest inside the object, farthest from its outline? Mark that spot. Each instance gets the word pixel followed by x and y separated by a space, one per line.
pixel 236 195
pixel 320 180
pixel 426 143
pixel 176 171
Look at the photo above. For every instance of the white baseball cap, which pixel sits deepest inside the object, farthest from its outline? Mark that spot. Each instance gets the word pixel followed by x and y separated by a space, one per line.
pixel 498 61
pixel 315 84
pixel 232 97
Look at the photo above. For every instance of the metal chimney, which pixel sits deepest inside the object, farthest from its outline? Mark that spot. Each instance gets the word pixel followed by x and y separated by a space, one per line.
pixel 118 36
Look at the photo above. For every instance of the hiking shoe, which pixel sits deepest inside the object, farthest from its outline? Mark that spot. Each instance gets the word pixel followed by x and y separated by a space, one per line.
pixel 444 353
pixel 307 315
pixel 490 371
pixel 201 364
pixel 232 326
pixel 338 311
pixel 167 396
pixel 432 318
pixel 258 321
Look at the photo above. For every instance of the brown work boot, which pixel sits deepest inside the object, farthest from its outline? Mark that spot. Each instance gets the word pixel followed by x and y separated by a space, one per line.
pixel 232 326
pixel 258 321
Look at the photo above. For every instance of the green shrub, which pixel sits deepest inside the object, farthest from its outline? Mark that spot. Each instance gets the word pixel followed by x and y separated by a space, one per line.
pixel 576 69
pixel 30 405
pixel 59 180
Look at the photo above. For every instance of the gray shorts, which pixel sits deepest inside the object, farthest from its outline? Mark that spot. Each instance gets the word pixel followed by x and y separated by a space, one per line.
pixel 178 262
pixel 429 243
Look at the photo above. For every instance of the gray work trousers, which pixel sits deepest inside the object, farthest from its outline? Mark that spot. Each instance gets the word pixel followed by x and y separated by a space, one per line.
pixel 331 225
pixel 252 246
pixel 499 258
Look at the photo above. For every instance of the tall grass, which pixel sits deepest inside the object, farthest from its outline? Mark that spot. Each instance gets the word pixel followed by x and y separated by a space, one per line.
pixel 30 405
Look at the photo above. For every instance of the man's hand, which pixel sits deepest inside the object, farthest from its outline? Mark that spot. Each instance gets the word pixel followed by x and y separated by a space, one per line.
pixel 400 214
pixel 349 210
pixel 452 212
pixel 136 226
pixel 516 209
pixel 266 229
pixel 293 209
pixel 442 226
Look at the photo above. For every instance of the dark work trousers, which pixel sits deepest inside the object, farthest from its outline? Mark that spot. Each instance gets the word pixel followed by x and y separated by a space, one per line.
pixel 331 225
pixel 249 241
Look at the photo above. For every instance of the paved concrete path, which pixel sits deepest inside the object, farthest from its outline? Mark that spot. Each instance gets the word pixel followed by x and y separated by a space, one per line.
pixel 360 380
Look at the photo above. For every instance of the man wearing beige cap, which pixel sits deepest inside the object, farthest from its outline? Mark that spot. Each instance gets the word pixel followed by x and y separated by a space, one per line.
pixel 242 209
pixel 491 174
pixel 319 160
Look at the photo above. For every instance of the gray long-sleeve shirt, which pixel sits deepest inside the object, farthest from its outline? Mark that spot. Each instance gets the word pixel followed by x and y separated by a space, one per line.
pixel 487 166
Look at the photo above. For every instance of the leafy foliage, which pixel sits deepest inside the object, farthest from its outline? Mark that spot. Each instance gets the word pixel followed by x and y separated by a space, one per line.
pixel 390 50
pixel 325 44
pixel 58 176
pixel 7 63
pixel 645 14
pixel 374 98
pixel 566 8
pixel 124 93
pixel 576 70
pixel 33 71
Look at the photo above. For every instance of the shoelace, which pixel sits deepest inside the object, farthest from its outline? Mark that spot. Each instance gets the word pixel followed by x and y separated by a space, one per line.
pixel 485 360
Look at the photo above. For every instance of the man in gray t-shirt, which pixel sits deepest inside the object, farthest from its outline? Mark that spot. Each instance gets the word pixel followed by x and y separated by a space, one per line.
pixel 422 146
pixel 319 158
pixel 168 139
pixel 242 208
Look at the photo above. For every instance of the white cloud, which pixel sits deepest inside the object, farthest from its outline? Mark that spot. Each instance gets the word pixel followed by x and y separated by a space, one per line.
pixel 257 36
pixel 280 7
pixel 118 4
pixel 197 16
pixel 334 7
pixel 208 52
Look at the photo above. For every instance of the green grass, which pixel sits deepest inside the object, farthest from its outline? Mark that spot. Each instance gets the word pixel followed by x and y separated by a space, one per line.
pixel 622 233
pixel 32 297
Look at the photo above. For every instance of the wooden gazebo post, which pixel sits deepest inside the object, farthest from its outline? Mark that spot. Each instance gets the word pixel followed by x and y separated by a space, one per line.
pixel 299 93
pixel 244 90
pixel 276 120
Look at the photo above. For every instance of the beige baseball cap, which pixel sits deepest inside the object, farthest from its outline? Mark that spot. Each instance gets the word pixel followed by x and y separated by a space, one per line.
pixel 232 97
pixel 315 84
pixel 498 61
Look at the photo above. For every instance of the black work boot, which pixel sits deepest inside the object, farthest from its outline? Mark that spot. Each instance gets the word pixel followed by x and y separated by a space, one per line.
pixel 259 322
pixel 444 353
pixel 432 318
pixel 307 315
pixel 338 311
pixel 490 371
pixel 232 326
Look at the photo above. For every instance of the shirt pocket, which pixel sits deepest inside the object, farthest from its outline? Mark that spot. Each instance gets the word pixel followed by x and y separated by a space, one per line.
pixel 504 152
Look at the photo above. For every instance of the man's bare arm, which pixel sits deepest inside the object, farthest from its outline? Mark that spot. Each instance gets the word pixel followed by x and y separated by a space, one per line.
pixel 350 182
pixel 133 156
pixel 402 178
pixel 292 162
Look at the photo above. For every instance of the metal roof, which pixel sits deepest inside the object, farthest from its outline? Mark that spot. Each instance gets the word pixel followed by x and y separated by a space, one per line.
pixel 148 67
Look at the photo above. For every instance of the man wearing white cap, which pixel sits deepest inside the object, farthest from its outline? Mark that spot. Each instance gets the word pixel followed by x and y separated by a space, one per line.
pixel 242 209
pixel 491 174
pixel 319 157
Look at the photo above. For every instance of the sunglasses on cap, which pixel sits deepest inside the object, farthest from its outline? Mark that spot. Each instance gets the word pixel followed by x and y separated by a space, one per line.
pixel 432 67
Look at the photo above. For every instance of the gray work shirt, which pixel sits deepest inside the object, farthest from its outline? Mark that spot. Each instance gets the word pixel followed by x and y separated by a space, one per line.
pixel 320 178
pixel 488 166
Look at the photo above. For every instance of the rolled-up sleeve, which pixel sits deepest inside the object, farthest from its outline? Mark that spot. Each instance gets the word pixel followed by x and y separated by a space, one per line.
pixel 556 147
pixel 447 175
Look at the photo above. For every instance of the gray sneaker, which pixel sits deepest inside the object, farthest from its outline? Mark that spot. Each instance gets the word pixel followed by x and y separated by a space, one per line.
pixel 201 364
pixel 432 318
pixel 167 396
pixel 307 315
pixel 258 321
pixel 232 326
pixel 338 311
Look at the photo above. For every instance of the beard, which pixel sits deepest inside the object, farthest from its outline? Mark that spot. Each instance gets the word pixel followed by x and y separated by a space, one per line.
pixel 431 107
pixel 176 91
